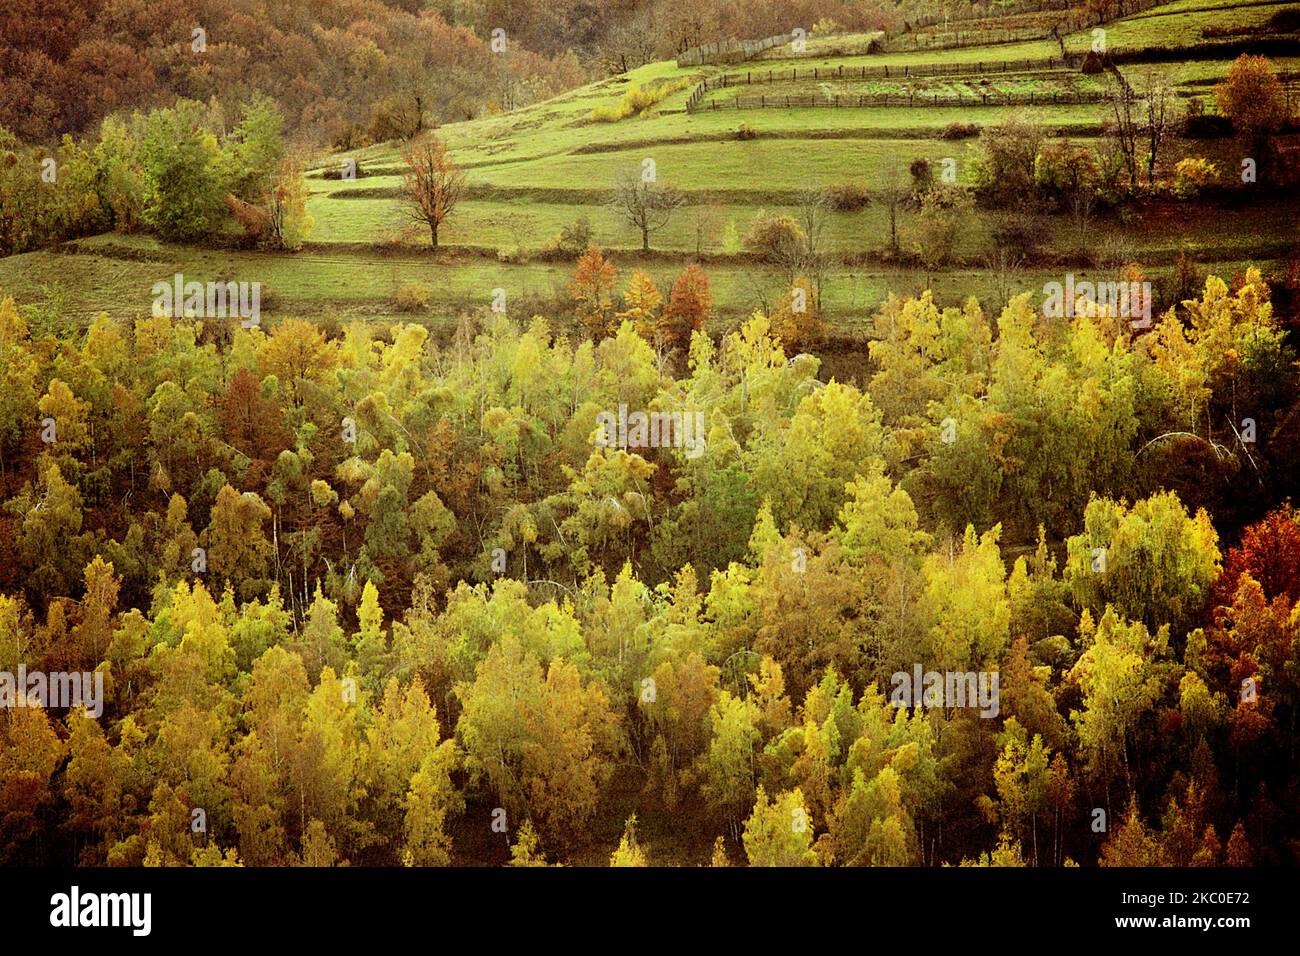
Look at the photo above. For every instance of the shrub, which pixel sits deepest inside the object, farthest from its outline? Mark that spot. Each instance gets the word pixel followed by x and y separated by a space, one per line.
pixel 1063 170
pixel 1017 230
pixel 960 131
pixel 1004 167
pixel 849 197
pixel 252 220
pixel 637 99
pixel 1112 178
pixel 1206 126
pixel 391 118
pixel 412 297
pixel 514 254
pixel 1285 21
pixel 575 237
pixel 1093 63
pixel 746 132
pixel 772 235
pixel 1193 175
pixel 922 174
pixel 803 330
pixel 945 210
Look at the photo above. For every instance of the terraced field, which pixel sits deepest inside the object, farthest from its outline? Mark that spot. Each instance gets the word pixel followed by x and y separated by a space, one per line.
pixel 535 170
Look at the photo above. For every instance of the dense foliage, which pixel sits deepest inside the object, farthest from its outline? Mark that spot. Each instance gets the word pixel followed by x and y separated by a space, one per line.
pixel 342 70
pixel 361 595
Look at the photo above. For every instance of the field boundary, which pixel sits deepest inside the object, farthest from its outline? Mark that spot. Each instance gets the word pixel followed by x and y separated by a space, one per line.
pixel 912 100
pixel 912 40
pixel 730 51
pixel 817 74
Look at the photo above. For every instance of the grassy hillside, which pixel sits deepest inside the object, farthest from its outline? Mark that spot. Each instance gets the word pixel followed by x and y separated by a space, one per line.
pixel 535 170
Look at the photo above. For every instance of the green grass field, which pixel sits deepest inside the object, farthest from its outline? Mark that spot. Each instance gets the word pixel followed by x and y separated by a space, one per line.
pixel 116 276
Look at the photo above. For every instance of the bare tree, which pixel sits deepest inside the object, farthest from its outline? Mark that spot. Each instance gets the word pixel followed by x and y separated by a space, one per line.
pixel 706 225
pixel 764 289
pixel 893 192
pixel 1158 120
pixel 628 45
pixel 1126 126
pixel 684 24
pixel 1005 267
pixel 646 205
pixel 1083 202
pixel 1116 251
pixel 1060 40
pixel 433 184
pixel 812 214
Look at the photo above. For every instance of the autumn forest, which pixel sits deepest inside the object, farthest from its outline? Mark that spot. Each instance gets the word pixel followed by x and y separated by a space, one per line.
pixel 689 534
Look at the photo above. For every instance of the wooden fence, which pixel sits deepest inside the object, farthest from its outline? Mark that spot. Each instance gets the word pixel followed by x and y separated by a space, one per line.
pixel 957 39
pixel 990 12
pixel 825 73
pixel 730 51
pixel 914 100
pixel 904 71
pixel 737 51
pixel 917 100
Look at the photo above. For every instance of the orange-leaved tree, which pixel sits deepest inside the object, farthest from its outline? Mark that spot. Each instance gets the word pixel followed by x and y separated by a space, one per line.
pixel 592 287
pixel 689 304
pixel 433 185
